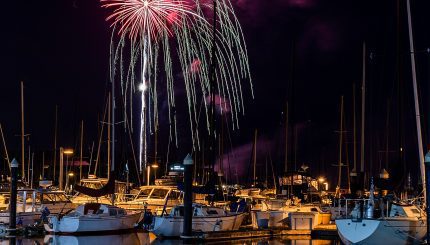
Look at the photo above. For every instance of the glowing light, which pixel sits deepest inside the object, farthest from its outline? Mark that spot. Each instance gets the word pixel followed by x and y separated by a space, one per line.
pixel 68 151
pixel 142 87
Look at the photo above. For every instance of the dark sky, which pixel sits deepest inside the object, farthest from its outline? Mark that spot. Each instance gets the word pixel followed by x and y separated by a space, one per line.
pixel 308 52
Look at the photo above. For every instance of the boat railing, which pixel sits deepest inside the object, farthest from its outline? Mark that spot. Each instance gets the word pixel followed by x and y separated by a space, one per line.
pixel 344 208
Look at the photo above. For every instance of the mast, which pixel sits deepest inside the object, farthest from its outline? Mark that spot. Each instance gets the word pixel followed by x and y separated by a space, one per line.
pixel 340 143
pixel 101 135
pixel 108 135
pixel 43 165
pixel 212 74
pixel 80 157
pixel 286 138
pixel 113 137
pixel 4 145
pixel 55 142
pixel 32 170
pixel 363 108
pixel 22 133
pixel 255 157
pixel 354 170
pixel 417 107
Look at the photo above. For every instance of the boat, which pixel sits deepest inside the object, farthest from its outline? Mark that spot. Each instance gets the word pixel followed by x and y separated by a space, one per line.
pixel 155 198
pixel 407 221
pixel 93 217
pixel 405 224
pixel 97 183
pixel 279 212
pixel 205 218
pixel 27 212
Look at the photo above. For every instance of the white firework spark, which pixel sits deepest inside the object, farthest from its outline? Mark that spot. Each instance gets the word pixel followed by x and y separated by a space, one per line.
pixel 161 31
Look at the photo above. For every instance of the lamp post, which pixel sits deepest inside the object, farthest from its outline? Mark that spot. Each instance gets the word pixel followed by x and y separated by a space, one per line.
pixel 13 193
pixel 63 152
pixel 320 184
pixel 155 167
pixel 70 181
pixel 188 198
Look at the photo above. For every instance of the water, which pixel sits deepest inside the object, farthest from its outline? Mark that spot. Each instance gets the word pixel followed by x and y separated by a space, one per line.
pixel 145 238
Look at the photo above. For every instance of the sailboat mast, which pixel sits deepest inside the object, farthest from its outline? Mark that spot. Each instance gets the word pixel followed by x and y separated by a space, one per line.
pixel 286 138
pixel 108 135
pixel 113 136
pixel 101 135
pixel 22 133
pixel 80 157
pixel 5 148
pixel 55 143
pixel 255 157
pixel 363 108
pixel 354 130
pixel 340 143
pixel 417 107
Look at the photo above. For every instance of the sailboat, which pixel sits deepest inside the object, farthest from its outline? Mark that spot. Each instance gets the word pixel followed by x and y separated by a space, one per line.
pixel 96 217
pixel 407 221
pixel 404 224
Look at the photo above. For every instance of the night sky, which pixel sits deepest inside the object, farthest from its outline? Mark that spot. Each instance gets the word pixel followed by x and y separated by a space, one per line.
pixel 306 52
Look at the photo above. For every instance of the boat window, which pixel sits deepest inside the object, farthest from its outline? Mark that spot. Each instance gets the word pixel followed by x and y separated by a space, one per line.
pixel 314 210
pixel 415 211
pixel 211 211
pixel 112 212
pixel 174 195
pixel 121 212
pixel 179 211
pixel 159 193
pixel 144 193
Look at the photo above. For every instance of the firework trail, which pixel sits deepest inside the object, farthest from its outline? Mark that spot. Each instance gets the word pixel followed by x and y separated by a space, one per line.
pixel 155 33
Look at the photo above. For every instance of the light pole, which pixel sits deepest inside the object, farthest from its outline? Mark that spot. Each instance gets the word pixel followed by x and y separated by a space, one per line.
pixel 188 197
pixel 63 152
pixel 320 184
pixel 155 167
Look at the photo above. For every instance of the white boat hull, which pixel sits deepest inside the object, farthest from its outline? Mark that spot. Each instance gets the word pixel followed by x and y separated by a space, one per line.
pixel 90 223
pixel 381 231
pixel 170 226
pixel 22 218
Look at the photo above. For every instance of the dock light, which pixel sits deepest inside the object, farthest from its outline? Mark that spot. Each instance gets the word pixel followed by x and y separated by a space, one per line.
pixel 154 165
pixel 321 179
pixel 71 174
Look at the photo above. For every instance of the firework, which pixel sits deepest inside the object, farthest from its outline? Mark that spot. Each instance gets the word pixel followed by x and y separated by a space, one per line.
pixel 156 34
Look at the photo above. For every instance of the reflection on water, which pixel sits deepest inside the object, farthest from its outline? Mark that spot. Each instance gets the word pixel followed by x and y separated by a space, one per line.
pixel 145 238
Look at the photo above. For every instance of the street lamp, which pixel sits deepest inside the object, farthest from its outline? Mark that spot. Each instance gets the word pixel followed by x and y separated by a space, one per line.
pixel 155 167
pixel 70 181
pixel 320 184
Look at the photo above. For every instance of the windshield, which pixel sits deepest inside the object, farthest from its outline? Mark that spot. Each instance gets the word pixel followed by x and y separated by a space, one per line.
pixel 144 193
pixel 52 197
pixel 159 193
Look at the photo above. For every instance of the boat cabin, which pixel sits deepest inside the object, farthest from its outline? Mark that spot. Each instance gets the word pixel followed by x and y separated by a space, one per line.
pixel 98 209
pixel 198 211
pixel 406 210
